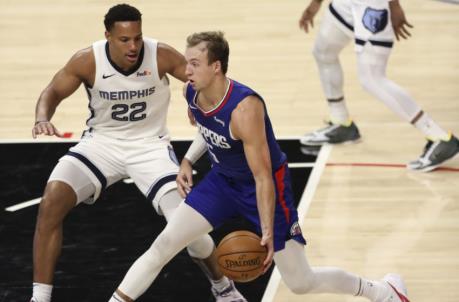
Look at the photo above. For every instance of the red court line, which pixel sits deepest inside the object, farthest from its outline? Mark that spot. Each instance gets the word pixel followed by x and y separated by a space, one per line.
pixel 449 169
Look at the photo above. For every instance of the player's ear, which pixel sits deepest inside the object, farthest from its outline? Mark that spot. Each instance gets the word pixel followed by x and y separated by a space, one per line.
pixel 217 66
pixel 107 35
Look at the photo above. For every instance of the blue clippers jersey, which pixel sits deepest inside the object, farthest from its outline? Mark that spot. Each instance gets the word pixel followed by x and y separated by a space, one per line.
pixel 227 155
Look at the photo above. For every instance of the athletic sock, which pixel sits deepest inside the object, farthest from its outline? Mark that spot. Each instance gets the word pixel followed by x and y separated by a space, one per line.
pixel 42 292
pixel 221 284
pixel 431 130
pixel 375 291
pixel 338 111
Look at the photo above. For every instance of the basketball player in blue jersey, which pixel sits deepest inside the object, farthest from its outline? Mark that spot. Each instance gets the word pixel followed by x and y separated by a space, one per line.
pixel 125 77
pixel 249 177
pixel 372 24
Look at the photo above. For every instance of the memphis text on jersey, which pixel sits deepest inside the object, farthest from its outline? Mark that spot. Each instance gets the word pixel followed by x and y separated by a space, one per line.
pixel 126 94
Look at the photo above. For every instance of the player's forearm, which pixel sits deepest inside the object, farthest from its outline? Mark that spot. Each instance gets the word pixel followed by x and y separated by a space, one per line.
pixel 46 105
pixel 265 203
pixel 197 149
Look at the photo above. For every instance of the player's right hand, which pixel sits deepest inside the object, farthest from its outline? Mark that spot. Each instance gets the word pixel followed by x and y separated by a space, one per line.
pixel 399 22
pixel 267 241
pixel 308 15
pixel 45 128
pixel 185 178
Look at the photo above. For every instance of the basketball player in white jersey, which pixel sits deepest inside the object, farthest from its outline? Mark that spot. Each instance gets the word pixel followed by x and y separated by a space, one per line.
pixel 125 77
pixel 371 24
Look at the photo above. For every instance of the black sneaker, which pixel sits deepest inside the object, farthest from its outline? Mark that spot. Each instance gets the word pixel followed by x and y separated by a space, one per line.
pixel 435 153
pixel 332 134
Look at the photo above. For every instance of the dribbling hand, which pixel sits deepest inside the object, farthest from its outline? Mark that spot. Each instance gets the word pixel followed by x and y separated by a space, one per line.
pixel 267 241
pixel 45 128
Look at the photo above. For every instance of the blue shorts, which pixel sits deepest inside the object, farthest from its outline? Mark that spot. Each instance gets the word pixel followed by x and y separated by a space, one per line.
pixel 219 198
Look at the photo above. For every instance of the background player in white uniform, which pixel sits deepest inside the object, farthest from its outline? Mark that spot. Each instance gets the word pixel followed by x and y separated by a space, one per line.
pixel 371 23
pixel 245 175
pixel 128 90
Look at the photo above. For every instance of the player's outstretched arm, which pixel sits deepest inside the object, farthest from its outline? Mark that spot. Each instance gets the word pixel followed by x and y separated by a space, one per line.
pixel 171 61
pixel 63 84
pixel 399 22
pixel 248 125
pixel 307 18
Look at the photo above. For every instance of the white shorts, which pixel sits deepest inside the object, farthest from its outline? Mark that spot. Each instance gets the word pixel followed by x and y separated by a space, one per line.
pixel 368 21
pixel 149 162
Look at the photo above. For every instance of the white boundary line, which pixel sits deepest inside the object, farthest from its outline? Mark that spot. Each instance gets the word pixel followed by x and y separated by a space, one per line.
pixel 303 207
pixel 301 165
pixel 23 205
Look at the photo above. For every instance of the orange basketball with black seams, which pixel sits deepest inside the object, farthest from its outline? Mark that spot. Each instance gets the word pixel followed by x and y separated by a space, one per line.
pixel 240 256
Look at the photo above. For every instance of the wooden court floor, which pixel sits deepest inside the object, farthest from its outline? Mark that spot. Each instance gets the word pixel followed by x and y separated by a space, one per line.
pixel 366 218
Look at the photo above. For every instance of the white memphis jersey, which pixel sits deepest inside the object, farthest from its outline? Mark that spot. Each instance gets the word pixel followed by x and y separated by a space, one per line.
pixel 128 105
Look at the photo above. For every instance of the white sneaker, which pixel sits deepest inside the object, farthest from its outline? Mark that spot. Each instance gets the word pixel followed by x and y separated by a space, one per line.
pixel 332 134
pixel 398 291
pixel 229 294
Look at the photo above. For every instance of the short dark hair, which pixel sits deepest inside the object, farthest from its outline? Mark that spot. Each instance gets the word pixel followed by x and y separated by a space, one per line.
pixel 121 12
pixel 217 46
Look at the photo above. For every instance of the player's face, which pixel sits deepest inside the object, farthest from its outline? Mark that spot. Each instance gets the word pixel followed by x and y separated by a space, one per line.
pixel 125 40
pixel 198 70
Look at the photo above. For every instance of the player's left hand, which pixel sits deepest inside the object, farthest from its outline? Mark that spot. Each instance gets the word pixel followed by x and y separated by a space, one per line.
pixel 267 241
pixel 399 22
pixel 185 178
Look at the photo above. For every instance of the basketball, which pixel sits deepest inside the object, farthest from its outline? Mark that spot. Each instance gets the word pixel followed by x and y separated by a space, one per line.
pixel 240 256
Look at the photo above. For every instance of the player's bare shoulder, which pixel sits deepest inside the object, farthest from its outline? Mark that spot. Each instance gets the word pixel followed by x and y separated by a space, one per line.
pixel 249 106
pixel 83 65
pixel 248 114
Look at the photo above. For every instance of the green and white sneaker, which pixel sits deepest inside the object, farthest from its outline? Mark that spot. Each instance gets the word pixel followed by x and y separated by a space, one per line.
pixel 332 134
pixel 435 153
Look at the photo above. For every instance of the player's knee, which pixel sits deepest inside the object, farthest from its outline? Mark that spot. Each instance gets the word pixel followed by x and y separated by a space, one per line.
pixel 201 248
pixel 46 220
pixel 324 53
pixel 55 204
pixel 300 285
pixel 300 289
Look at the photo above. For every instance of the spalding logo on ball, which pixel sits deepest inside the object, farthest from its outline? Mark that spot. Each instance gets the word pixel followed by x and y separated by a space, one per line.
pixel 240 256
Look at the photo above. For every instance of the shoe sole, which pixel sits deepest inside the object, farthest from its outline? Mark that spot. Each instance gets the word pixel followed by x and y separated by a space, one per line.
pixel 423 170
pixel 316 144
pixel 396 283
